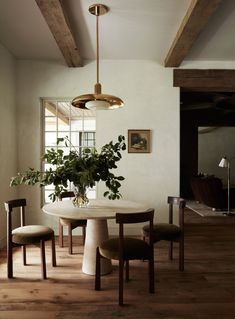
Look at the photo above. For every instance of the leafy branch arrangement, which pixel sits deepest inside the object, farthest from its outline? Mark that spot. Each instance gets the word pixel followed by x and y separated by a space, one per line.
pixel 82 169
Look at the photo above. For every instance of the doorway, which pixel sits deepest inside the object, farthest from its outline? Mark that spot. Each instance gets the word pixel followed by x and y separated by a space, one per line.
pixel 207 133
pixel 207 98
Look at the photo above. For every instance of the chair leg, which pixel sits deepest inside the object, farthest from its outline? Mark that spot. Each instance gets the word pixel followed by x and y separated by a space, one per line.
pixel 97 270
pixel 121 265
pixel 24 254
pixel 171 250
pixel 127 270
pixel 83 234
pixel 53 252
pixel 181 254
pixel 43 259
pixel 61 235
pixel 9 260
pixel 151 276
pixel 70 239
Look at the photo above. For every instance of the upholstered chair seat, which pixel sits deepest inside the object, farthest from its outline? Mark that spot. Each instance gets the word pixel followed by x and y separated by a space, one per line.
pixel 133 248
pixel 163 231
pixel 31 234
pixel 73 222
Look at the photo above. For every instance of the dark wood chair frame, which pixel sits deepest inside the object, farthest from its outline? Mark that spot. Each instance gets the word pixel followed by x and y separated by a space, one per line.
pixel 70 194
pixel 180 202
pixel 121 219
pixel 9 206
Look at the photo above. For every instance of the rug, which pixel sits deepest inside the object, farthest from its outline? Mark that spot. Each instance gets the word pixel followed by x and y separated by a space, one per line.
pixel 204 210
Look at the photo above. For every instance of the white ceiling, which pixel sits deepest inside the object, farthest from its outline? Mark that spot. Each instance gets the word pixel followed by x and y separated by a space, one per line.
pixel 132 29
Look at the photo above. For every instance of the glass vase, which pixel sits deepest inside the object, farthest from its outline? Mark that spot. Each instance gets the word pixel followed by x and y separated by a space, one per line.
pixel 80 199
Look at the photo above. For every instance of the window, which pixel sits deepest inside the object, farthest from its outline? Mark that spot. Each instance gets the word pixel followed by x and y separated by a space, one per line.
pixel 61 119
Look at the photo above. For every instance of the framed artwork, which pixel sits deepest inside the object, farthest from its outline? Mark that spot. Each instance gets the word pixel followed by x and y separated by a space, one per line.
pixel 138 141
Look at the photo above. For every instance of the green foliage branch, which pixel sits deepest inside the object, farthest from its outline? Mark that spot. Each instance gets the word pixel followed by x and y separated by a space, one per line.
pixel 82 169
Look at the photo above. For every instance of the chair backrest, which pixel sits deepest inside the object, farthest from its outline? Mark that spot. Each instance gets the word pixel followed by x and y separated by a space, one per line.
pixel 133 218
pixel 66 195
pixel 9 206
pixel 180 203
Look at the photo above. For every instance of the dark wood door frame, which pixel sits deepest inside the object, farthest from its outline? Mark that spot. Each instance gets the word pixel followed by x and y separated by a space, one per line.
pixel 201 81
pixel 204 80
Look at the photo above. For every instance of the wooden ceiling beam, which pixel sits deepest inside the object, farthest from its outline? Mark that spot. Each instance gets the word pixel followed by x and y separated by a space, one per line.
pixel 55 17
pixel 197 16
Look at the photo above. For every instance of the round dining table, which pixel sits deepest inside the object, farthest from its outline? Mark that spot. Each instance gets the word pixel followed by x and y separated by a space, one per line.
pixel 96 213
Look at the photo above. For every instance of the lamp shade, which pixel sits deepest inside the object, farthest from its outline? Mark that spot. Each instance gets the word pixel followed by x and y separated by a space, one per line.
pixel 97 105
pixel 224 162
pixel 97 101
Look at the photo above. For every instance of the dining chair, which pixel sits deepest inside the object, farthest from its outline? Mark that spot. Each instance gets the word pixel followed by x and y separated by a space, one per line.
pixel 125 249
pixel 71 224
pixel 170 231
pixel 26 235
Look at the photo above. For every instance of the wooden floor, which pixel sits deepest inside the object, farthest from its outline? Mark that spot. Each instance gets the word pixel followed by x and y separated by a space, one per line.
pixel 205 290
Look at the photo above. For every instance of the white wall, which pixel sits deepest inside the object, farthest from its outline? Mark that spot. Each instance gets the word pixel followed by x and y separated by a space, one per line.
pixel 150 103
pixel 8 147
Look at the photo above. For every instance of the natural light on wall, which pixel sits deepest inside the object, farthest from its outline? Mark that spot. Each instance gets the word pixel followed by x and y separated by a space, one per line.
pixel 61 119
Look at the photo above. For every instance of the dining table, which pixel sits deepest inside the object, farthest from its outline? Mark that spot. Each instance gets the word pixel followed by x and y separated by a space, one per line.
pixel 97 213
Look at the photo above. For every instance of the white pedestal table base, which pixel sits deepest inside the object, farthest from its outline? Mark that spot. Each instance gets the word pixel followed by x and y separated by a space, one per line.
pixel 96 233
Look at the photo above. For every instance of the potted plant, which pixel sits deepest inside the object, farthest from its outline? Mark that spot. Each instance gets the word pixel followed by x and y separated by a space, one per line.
pixel 83 169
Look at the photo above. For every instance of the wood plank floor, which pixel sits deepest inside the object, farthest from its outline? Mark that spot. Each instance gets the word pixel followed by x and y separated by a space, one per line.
pixel 205 290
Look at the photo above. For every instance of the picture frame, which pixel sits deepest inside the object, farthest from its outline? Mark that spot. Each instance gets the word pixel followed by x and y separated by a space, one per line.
pixel 139 141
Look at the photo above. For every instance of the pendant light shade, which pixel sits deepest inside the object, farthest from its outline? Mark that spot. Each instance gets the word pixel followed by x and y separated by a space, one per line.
pixel 97 100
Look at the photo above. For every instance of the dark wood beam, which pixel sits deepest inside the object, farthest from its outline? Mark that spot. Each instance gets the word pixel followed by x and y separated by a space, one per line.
pixel 205 80
pixel 55 17
pixel 197 16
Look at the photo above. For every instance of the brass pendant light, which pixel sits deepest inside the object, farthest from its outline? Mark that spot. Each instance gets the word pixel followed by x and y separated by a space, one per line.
pixel 97 100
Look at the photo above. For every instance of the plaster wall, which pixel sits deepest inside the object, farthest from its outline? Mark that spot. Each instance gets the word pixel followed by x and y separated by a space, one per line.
pixel 8 146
